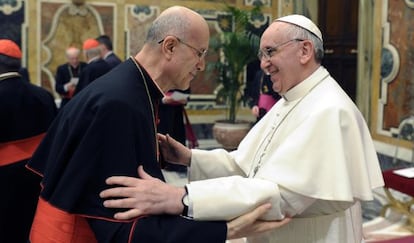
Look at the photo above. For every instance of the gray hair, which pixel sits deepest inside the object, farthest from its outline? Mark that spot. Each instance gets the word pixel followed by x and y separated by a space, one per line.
pixel 168 24
pixel 72 51
pixel 94 52
pixel 300 33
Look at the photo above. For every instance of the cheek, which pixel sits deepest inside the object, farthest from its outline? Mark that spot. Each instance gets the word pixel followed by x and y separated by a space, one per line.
pixel 263 65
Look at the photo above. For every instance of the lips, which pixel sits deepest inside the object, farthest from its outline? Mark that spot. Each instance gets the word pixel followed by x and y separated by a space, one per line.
pixel 271 73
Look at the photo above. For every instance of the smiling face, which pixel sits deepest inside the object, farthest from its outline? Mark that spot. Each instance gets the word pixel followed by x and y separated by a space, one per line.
pixel 282 56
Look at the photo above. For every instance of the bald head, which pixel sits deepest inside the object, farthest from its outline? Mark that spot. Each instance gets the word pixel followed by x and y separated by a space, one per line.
pixel 72 51
pixel 178 21
pixel 72 55
pixel 175 48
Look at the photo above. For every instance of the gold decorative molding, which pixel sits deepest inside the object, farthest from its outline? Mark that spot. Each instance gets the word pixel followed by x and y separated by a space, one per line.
pixel 8 7
pixel 46 43
pixel 392 96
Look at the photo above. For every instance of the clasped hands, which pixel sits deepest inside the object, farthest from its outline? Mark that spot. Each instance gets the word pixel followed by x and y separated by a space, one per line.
pixel 150 196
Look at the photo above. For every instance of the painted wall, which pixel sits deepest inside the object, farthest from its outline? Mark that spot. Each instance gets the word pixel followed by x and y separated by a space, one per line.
pixel 44 28
pixel 391 64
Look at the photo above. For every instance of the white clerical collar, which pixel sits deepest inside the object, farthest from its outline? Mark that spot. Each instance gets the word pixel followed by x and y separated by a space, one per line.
pixel 7 75
pixel 306 85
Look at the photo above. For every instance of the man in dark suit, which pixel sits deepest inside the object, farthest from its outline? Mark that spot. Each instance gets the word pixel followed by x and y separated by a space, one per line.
pixel 106 51
pixel 96 65
pixel 67 75
pixel 26 113
pixel 25 74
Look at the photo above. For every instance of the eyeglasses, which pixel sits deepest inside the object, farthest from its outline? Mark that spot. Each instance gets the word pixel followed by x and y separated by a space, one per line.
pixel 200 53
pixel 268 52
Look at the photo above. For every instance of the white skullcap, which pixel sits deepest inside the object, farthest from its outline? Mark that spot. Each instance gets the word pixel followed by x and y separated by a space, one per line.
pixel 303 22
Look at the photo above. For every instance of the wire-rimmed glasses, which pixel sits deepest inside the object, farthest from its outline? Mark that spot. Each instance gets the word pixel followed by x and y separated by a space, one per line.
pixel 268 52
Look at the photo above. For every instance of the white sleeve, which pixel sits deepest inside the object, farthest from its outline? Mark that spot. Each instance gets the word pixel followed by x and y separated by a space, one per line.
pixel 212 164
pixel 229 197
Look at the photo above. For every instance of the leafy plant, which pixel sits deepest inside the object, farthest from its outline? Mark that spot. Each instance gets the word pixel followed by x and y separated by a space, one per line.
pixel 236 48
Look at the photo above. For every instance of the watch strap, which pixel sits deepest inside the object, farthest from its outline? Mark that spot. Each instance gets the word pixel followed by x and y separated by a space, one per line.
pixel 185 209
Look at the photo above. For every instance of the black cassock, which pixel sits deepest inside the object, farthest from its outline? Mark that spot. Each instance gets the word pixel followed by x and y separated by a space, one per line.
pixel 64 74
pixel 91 72
pixel 108 129
pixel 26 113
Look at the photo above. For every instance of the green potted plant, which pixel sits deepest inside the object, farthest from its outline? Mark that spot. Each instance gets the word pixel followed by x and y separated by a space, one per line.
pixel 236 49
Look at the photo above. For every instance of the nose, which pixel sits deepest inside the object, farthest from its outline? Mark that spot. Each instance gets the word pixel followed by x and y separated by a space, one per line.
pixel 201 64
pixel 265 64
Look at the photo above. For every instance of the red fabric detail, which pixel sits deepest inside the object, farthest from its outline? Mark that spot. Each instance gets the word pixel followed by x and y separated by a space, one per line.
pixel 51 224
pixel 131 233
pixel 409 239
pixel 90 44
pixel 9 48
pixel 191 137
pixel 69 95
pixel 19 150
pixel 399 183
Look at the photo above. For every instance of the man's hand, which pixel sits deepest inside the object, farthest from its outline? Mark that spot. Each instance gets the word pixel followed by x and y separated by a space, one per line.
pixel 173 151
pixel 144 196
pixel 249 224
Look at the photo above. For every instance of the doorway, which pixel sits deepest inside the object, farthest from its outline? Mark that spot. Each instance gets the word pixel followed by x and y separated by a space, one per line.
pixel 338 21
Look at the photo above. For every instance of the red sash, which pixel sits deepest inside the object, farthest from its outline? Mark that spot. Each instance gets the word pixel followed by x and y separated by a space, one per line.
pixel 19 150
pixel 69 95
pixel 51 224
pixel 190 134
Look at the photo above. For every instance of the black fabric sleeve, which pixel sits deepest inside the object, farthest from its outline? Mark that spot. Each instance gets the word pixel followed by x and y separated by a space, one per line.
pixel 60 80
pixel 159 229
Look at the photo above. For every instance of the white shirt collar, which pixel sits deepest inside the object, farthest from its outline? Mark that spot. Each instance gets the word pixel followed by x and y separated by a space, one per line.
pixel 303 87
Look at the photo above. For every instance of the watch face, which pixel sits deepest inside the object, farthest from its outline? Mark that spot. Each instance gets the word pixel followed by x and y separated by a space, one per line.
pixel 186 201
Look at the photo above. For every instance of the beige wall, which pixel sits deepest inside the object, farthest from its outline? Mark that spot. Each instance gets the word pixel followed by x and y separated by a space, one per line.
pixel 55 24
pixel 385 45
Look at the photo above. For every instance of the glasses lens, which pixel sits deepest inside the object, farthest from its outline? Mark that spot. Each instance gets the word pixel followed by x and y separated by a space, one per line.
pixel 266 53
pixel 202 54
pixel 260 55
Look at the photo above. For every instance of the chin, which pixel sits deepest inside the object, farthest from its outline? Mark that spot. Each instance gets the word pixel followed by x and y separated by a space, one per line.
pixel 184 86
pixel 276 88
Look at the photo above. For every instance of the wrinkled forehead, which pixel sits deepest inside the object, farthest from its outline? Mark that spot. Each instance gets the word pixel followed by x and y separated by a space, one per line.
pixel 274 34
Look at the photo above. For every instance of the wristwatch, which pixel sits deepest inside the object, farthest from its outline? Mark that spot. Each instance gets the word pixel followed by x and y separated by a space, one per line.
pixel 185 202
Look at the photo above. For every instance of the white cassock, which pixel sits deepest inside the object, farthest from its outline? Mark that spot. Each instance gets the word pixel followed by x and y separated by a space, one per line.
pixel 314 159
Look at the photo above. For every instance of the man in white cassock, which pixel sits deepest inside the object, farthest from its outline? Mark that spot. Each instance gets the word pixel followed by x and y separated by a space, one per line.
pixel 311 155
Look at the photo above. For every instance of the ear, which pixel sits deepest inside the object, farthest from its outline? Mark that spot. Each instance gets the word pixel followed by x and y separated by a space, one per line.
pixel 168 46
pixel 307 51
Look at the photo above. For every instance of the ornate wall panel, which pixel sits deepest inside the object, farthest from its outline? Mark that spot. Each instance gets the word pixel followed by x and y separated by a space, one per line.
pixel 57 24
pixel 44 28
pixel 393 106
pixel 139 17
pixel 66 24
pixel 13 23
pixel 397 73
